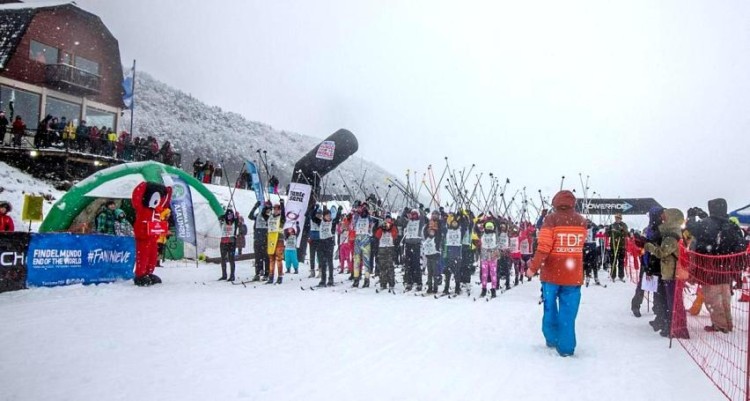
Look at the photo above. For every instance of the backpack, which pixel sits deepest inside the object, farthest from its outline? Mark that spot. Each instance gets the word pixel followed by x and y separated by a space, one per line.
pixel 730 239
pixel 243 229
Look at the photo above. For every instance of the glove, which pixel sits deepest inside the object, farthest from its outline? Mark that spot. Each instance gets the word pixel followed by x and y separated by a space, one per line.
pixel 257 203
pixel 340 209
pixel 281 201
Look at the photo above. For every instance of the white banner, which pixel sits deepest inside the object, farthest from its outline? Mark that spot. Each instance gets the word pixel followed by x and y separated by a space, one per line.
pixel 296 206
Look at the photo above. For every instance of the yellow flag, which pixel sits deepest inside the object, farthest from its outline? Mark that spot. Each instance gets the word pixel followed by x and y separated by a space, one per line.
pixel 32 208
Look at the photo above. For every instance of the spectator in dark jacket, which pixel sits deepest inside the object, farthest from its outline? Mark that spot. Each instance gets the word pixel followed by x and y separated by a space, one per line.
pixel 82 136
pixel 716 235
pixel 649 265
pixel 3 127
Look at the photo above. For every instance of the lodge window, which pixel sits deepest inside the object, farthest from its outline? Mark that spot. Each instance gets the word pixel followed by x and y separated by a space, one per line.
pixel 92 67
pixel 25 104
pixel 42 53
pixel 60 108
pixel 99 118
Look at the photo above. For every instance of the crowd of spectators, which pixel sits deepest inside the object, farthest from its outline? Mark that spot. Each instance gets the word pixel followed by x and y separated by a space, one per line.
pixel 61 133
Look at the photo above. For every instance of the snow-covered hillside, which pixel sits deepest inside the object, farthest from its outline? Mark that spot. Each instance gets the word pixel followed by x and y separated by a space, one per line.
pixel 200 130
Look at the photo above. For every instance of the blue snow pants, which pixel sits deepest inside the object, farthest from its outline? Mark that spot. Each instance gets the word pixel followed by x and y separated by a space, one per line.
pixel 560 311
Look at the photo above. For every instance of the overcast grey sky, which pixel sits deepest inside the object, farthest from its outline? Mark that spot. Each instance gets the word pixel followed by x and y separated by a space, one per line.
pixel 649 98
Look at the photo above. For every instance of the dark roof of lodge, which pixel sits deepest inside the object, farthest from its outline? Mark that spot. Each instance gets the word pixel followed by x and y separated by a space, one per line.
pixel 16 17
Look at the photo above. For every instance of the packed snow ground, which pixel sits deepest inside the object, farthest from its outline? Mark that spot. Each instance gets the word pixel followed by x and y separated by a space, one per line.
pixel 193 338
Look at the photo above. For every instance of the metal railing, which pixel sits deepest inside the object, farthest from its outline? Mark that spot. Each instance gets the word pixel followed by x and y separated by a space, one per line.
pixel 72 77
pixel 103 148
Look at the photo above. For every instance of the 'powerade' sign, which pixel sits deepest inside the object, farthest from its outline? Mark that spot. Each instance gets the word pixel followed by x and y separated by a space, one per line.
pixel 614 206
pixel 61 259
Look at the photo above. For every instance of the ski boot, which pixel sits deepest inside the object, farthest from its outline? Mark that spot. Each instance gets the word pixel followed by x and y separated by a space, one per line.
pixel 419 287
pixel 446 289
pixel 255 278
pixel 270 280
pixel 154 279
pixel 596 281
pixel 231 278
pixel 296 271
pixel 355 283
pixel 507 287
pixel 367 283
pixel 312 273
pixel 588 279
pixel 143 281
pixel 223 277
pixel 483 293
pixel 493 293
pixel 279 280
pixel 407 288
pixel 321 284
pixel 330 282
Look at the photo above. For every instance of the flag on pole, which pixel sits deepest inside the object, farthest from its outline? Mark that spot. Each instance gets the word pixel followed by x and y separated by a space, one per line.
pixel 128 87
pixel 252 171
pixel 12 104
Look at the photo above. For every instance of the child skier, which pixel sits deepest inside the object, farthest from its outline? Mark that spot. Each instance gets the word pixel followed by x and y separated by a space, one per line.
pixel 363 225
pixel 386 236
pixel 276 242
pixel 432 254
pixel 290 249
pixel 454 232
pixel 489 254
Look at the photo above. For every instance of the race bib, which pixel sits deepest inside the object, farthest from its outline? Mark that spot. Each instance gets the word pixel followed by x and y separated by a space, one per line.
pixel 428 246
pixel 363 226
pixel 386 240
pixel 525 247
pixel 466 240
pixel 261 223
pixel 412 229
pixel 453 238
pixel 489 241
pixel 503 241
pixel 514 244
pixel 325 230
pixel 274 224
pixel 291 242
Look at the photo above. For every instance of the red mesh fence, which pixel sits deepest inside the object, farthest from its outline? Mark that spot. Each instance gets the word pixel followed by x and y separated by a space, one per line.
pixel 711 307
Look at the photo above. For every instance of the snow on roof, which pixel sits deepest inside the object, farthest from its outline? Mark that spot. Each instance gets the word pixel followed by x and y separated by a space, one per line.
pixel 35 5
pixel 14 19
pixel 13 24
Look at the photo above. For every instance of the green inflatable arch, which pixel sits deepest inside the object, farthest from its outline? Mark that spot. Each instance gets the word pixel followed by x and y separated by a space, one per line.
pixel 75 200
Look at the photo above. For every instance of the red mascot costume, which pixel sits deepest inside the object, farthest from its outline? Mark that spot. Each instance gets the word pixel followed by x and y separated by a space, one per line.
pixel 149 200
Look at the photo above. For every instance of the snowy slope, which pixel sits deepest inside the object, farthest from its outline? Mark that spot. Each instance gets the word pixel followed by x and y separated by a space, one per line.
pixel 14 183
pixel 200 130
pixel 186 340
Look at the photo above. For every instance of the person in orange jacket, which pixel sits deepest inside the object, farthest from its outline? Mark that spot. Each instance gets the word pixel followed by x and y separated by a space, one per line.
pixel 559 255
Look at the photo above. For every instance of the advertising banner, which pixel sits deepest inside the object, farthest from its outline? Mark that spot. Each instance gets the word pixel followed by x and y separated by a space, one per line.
pixel 182 211
pixel 64 258
pixel 296 206
pixel 630 206
pixel 13 247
